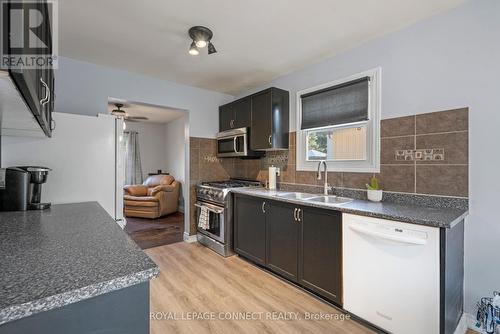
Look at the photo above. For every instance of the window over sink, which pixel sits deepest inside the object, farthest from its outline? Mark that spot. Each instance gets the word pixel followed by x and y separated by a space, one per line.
pixel 340 122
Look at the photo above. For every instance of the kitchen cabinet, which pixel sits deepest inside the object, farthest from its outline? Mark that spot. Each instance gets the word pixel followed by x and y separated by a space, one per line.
pixel 320 268
pixel 235 115
pixel 250 228
pixel 226 117
pixel 302 244
pixel 36 85
pixel 266 113
pixel 283 229
pixel 270 120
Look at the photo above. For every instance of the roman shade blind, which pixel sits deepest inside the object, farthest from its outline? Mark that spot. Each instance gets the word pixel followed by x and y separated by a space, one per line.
pixel 340 104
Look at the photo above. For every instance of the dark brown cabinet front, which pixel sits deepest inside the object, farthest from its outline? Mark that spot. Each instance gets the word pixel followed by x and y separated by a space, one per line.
pixel 262 130
pixel 235 115
pixel 283 239
pixel 226 117
pixel 302 244
pixel 266 113
pixel 321 253
pixel 36 85
pixel 250 228
pixel 242 113
pixel 270 115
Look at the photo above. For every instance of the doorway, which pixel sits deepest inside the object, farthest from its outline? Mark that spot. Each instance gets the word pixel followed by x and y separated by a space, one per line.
pixel 152 144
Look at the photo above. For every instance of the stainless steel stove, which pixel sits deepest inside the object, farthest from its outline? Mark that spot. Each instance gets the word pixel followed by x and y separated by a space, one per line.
pixel 215 204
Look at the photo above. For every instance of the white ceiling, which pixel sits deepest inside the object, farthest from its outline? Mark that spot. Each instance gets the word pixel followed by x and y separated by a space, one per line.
pixel 155 114
pixel 257 40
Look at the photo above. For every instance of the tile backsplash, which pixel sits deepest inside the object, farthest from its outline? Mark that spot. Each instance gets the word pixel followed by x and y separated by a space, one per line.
pixel 420 154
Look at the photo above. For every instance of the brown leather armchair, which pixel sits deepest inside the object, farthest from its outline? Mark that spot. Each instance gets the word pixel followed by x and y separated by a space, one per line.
pixel 156 197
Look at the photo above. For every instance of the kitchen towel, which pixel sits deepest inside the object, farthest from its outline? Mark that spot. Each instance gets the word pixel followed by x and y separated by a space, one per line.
pixel 203 222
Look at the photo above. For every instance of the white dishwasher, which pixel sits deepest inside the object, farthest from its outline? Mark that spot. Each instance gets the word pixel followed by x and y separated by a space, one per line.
pixel 391 274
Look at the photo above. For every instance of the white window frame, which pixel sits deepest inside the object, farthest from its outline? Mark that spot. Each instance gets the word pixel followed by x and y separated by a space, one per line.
pixel 372 162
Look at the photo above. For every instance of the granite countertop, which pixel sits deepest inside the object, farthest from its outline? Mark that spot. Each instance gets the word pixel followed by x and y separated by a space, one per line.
pixel 62 255
pixel 408 213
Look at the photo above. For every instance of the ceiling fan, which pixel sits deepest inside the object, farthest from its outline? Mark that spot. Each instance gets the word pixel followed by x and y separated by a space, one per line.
pixel 119 112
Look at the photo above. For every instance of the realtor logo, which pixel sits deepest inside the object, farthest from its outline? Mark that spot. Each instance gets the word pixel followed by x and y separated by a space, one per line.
pixel 29 34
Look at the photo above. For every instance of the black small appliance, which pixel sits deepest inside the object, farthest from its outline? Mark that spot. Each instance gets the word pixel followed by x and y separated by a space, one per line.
pixel 14 189
pixel 21 188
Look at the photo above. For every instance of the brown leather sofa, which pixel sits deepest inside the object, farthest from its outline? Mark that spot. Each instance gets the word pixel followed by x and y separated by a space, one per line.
pixel 156 197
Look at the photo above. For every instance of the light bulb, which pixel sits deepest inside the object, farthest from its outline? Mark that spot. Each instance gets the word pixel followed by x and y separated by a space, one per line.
pixel 193 50
pixel 201 43
pixel 124 126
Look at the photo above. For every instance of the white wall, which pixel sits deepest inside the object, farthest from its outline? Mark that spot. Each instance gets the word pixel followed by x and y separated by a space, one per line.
pixel 450 60
pixel 81 154
pixel 175 150
pixel 84 88
pixel 151 146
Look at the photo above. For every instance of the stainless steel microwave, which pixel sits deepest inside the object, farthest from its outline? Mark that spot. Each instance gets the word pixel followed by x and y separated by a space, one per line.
pixel 234 143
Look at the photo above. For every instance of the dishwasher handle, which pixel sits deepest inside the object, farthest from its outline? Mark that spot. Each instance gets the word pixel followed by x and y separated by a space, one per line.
pixel 386 236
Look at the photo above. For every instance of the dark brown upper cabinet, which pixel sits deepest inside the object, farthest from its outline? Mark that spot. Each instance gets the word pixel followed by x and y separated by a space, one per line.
pixel 235 115
pixel 270 120
pixel 37 85
pixel 266 113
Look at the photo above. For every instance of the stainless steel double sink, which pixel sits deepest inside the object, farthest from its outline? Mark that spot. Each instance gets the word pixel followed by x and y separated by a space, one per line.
pixel 327 199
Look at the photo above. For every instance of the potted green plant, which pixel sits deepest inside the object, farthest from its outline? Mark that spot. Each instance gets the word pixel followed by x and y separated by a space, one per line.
pixel 373 190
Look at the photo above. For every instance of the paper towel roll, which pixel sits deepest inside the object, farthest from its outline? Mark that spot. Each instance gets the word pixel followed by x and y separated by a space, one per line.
pixel 273 171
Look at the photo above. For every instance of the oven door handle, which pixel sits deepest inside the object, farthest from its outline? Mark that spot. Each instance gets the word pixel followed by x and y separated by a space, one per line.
pixel 210 208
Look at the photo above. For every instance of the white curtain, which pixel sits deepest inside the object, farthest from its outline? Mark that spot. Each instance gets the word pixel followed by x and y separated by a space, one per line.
pixel 133 168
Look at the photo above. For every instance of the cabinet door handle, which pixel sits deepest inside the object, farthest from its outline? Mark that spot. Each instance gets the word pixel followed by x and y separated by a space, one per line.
pixel 270 140
pixel 264 207
pixel 48 98
pixel 47 92
pixel 299 215
pixel 295 214
pixel 231 124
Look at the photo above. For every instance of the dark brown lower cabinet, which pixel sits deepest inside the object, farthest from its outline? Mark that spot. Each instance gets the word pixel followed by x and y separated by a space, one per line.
pixel 320 260
pixel 250 228
pixel 301 244
pixel 283 240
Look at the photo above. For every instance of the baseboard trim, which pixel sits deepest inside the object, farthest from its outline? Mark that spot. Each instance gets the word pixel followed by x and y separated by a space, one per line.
pixel 189 238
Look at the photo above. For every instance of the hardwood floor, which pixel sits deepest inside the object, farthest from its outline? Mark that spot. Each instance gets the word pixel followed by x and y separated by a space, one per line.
pixel 149 233
pixel 195 279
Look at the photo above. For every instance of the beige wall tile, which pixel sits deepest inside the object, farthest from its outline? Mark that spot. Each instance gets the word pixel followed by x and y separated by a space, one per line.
pixel 443 121
pixel 455 145
pixel 356 180
pixel 305 177
pixel 400 126
pixel 388 147
pixel 397 178
pixel 292 139
pixel 446 180
pixel 194 142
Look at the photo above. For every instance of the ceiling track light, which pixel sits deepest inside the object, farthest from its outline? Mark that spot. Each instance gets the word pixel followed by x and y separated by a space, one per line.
pixel 201 37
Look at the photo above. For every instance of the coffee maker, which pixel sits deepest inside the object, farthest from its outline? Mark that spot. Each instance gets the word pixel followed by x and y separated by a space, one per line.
pixel 21 188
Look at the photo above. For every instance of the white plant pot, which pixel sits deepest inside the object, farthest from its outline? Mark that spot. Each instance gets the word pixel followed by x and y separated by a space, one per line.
pixel 374 195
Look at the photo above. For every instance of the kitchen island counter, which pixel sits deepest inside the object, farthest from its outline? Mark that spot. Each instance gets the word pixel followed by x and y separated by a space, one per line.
pixel 64 255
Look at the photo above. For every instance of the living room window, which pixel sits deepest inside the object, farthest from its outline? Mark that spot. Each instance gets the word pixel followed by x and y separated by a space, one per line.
pixel 340 122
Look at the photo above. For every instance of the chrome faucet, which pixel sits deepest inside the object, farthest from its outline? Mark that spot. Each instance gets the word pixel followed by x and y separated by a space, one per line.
pixel 326 187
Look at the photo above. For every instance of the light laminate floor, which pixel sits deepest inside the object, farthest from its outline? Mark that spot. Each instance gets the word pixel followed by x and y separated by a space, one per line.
pixel 197 283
